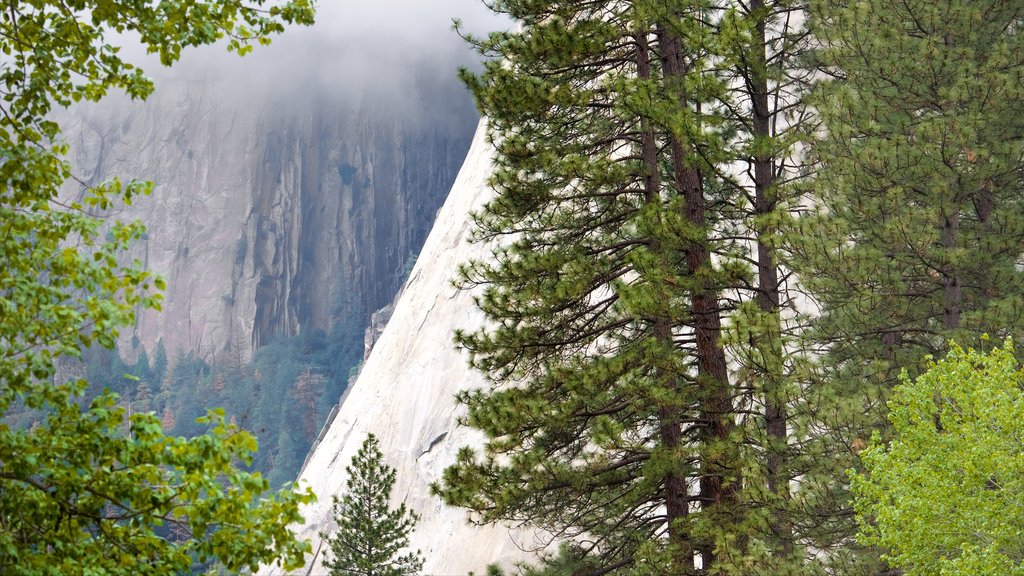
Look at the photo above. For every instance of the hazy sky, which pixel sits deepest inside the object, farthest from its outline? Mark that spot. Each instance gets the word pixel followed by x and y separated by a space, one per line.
pixel 355 43
pixel 427 20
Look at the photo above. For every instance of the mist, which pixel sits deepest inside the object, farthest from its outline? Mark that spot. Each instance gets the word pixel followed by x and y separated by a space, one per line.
pixel 356 49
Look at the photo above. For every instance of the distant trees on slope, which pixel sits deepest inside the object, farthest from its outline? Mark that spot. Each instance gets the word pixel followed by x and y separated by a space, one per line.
pixel 283 395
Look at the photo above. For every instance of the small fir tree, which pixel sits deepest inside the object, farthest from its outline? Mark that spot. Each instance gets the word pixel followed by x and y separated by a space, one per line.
pixel 370 534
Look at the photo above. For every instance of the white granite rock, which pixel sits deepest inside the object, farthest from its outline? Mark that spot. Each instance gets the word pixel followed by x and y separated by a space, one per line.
pixel 405 396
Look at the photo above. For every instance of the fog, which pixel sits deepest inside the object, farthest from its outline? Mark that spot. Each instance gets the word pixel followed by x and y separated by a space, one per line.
pixel 355 46
pixel 426 21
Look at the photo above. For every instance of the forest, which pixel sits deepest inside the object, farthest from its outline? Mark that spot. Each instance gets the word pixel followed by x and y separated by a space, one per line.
pixel 752 308
pixel 283 395
pixel 728 230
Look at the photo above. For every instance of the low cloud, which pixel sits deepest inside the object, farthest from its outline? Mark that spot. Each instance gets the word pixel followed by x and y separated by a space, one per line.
pixel 354 46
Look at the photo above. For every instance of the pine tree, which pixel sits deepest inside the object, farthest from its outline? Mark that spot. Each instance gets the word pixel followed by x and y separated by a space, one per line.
pixel 613 412
pixel 143 401
pixel 917 230
pixel 760 46
pixel 646 174
pixel 370 534
pixel 605 306
pixel 920 179
pixel 308 388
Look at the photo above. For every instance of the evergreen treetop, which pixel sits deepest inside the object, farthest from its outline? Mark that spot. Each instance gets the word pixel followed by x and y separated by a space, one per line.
pixel 370 533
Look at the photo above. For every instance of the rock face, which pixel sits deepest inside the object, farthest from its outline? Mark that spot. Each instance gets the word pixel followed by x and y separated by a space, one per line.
pixel 378 322
pixel 405 396
pixel 278 204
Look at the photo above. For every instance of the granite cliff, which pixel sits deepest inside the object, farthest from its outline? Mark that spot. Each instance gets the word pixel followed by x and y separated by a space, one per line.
pixel 280 202
pixel 405 395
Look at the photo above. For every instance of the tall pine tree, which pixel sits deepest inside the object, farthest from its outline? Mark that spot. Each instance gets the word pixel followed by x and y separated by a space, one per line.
pixel 917 232
pixel 614 417
pixel 611 412
pixel 644 183
pixel 761 52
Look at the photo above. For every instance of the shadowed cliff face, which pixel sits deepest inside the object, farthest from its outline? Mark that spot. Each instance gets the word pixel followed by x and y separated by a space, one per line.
pixel 277 206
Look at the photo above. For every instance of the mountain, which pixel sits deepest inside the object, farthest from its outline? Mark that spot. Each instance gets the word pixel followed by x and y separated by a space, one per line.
pixel 289 199
pixel 405 396
pixel 281 202
pixel 292 194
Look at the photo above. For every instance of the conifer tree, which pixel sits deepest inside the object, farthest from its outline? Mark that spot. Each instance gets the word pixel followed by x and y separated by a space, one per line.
pixel 160 362
pixel 642 259
pixel 370 534
pixel 917 230
pixel 789 420
pixel 613 412
pixel 919 180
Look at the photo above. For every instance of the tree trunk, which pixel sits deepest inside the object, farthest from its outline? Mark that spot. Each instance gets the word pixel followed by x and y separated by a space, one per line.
pixel 768 292
pixel 670 423
pixel 951 291
pixel 719 480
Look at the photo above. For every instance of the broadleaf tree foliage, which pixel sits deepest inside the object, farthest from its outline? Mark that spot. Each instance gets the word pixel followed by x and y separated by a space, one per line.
pixel 79 494
pixel 370 533
pixel 944 497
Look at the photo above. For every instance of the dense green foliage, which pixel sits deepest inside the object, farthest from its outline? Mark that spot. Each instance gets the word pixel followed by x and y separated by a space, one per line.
pixel 628 280
pixel 569 561
pixel 944 497
pixel 284 395
pixel 649 209
pixel 84 488
pixel 370 533
pixel 919 181
pixel 918 229
pixel 589 296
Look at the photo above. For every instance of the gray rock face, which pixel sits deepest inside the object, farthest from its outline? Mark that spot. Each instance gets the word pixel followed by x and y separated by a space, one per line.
pixel 405 395
pixel 378 322
pixel 274 212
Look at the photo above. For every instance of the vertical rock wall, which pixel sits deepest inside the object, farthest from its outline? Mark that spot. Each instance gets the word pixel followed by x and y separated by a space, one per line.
pixel 277 206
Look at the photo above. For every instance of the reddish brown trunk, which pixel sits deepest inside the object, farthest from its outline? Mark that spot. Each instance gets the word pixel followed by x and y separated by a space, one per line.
pixel 719 480
pixel 670 423
pixel 984 203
